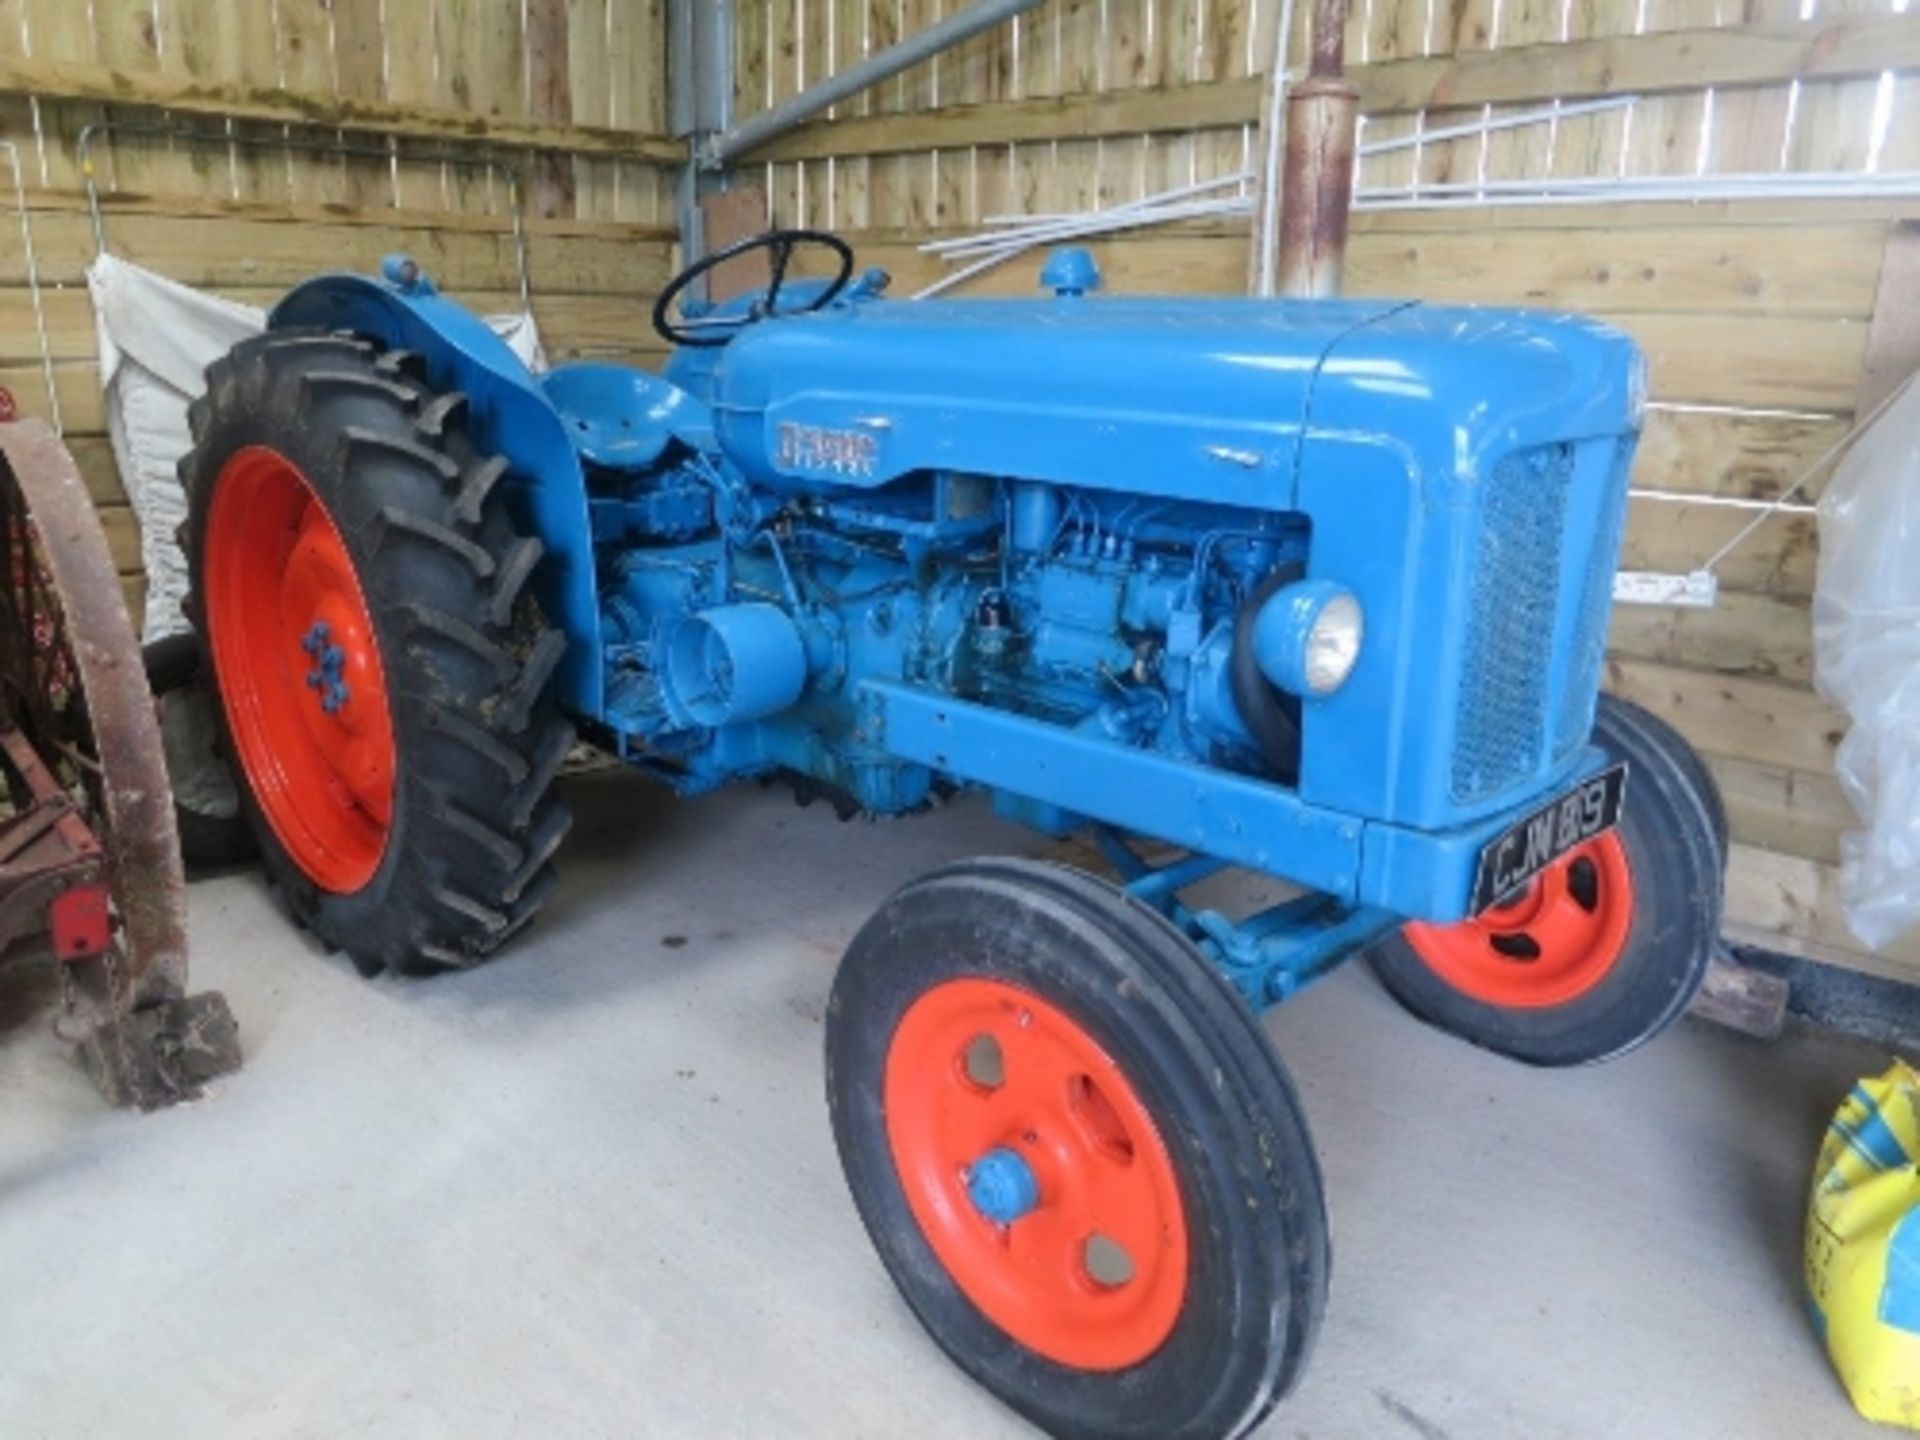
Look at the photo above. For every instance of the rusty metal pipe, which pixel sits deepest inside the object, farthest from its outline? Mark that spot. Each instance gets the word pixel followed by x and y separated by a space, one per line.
pixel 1329 40
pixel 1316 181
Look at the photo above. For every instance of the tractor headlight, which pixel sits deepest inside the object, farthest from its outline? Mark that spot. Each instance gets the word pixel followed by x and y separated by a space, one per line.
pixel 1333 643
pixel 1307 637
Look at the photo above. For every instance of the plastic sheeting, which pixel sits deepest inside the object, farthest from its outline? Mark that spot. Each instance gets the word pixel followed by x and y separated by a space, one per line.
pixel 157 338
pixel 1866 634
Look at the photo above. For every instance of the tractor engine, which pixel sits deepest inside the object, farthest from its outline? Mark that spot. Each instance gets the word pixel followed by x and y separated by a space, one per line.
pixel 1111 614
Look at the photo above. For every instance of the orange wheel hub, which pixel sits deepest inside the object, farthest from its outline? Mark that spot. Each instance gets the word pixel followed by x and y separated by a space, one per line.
pixel 299 669
pixel 1036 1174
pixel 1550 944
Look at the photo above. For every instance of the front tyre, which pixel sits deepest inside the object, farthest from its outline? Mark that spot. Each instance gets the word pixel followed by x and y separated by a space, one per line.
pixel 1077 1154
pixel 381 665
pixel 1605 948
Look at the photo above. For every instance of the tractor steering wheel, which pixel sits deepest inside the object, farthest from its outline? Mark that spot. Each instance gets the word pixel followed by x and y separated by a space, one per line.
pixel 708 332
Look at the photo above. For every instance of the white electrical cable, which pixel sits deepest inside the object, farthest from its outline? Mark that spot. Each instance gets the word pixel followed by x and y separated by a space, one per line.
pixel 1781 179
pixel 1499 122
pixel 1057 217
pixel 1275 125
pixel 1725 502
pixel 1779 503
pixel 1016 243
pixel 1095 225
pixel 34 287
pixel 955 244
pixel 1006 236
pixel 1607 190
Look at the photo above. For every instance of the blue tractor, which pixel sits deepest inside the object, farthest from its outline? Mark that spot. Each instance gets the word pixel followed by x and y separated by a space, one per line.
pixel 1315 589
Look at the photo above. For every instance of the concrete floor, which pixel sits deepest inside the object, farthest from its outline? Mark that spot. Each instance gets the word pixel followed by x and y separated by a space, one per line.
pixel 589 1191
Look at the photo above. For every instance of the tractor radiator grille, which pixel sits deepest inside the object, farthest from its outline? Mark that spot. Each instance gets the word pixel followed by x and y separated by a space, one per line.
pixel 1500 730
pixel 1596 607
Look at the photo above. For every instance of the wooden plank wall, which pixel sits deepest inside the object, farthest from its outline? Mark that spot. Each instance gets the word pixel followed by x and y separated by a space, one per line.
pixel 1754 315
pixel 249 222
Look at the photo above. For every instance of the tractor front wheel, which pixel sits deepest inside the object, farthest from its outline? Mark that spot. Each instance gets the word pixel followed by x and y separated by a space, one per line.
pixel 381 664
pixel 1604 949
pixel 1077 1154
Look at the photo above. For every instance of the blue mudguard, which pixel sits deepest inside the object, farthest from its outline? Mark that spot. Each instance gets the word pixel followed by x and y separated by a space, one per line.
pixel 508 414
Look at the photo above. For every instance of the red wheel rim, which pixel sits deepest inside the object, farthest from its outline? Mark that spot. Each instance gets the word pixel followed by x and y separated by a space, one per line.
pixel 299 669
pixel 1051 1279
pixel 1550 944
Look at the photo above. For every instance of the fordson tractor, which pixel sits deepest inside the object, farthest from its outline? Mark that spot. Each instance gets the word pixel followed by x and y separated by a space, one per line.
pixel 1313 589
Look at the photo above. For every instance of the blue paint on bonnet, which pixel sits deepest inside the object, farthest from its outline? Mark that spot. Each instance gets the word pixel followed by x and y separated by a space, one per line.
pixel 1194 399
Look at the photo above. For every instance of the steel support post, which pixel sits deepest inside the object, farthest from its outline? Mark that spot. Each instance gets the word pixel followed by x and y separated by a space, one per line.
pixel 758 129
pixel 699 102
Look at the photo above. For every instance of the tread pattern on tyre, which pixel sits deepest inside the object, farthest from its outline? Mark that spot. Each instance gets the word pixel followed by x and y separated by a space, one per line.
pixel 467 655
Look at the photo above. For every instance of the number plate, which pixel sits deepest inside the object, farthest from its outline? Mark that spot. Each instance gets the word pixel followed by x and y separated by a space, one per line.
pixel 1510 860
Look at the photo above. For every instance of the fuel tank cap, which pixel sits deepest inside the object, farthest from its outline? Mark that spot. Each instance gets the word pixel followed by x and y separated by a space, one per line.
pixel 1070 270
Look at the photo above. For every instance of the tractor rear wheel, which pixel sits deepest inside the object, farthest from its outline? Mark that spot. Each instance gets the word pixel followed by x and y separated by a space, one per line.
pixel 1077 1154
pixel 381 664
pixel 1603 950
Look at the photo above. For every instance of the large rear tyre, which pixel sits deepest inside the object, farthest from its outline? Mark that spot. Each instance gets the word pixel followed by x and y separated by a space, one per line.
pixel 1077 1154
pixel 382 666
pixel 1606 948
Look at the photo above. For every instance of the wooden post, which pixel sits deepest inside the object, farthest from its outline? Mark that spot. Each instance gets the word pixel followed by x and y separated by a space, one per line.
pixel 1893 334
pixel 1316 181
pixel 359 45
pixel 550 185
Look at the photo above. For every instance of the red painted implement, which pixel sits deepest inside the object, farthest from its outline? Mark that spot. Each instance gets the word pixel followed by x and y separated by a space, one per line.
pixel 89 859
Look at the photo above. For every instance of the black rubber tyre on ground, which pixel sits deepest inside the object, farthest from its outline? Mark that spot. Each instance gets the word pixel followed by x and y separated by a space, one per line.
pixel 1617 714
pixel 214 833
pixel 1609 946
pixel 341 524
pixel 1007 1034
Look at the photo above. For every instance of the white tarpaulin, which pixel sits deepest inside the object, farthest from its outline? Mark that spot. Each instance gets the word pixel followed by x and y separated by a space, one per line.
pixel 1866 647
pixel 157 338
